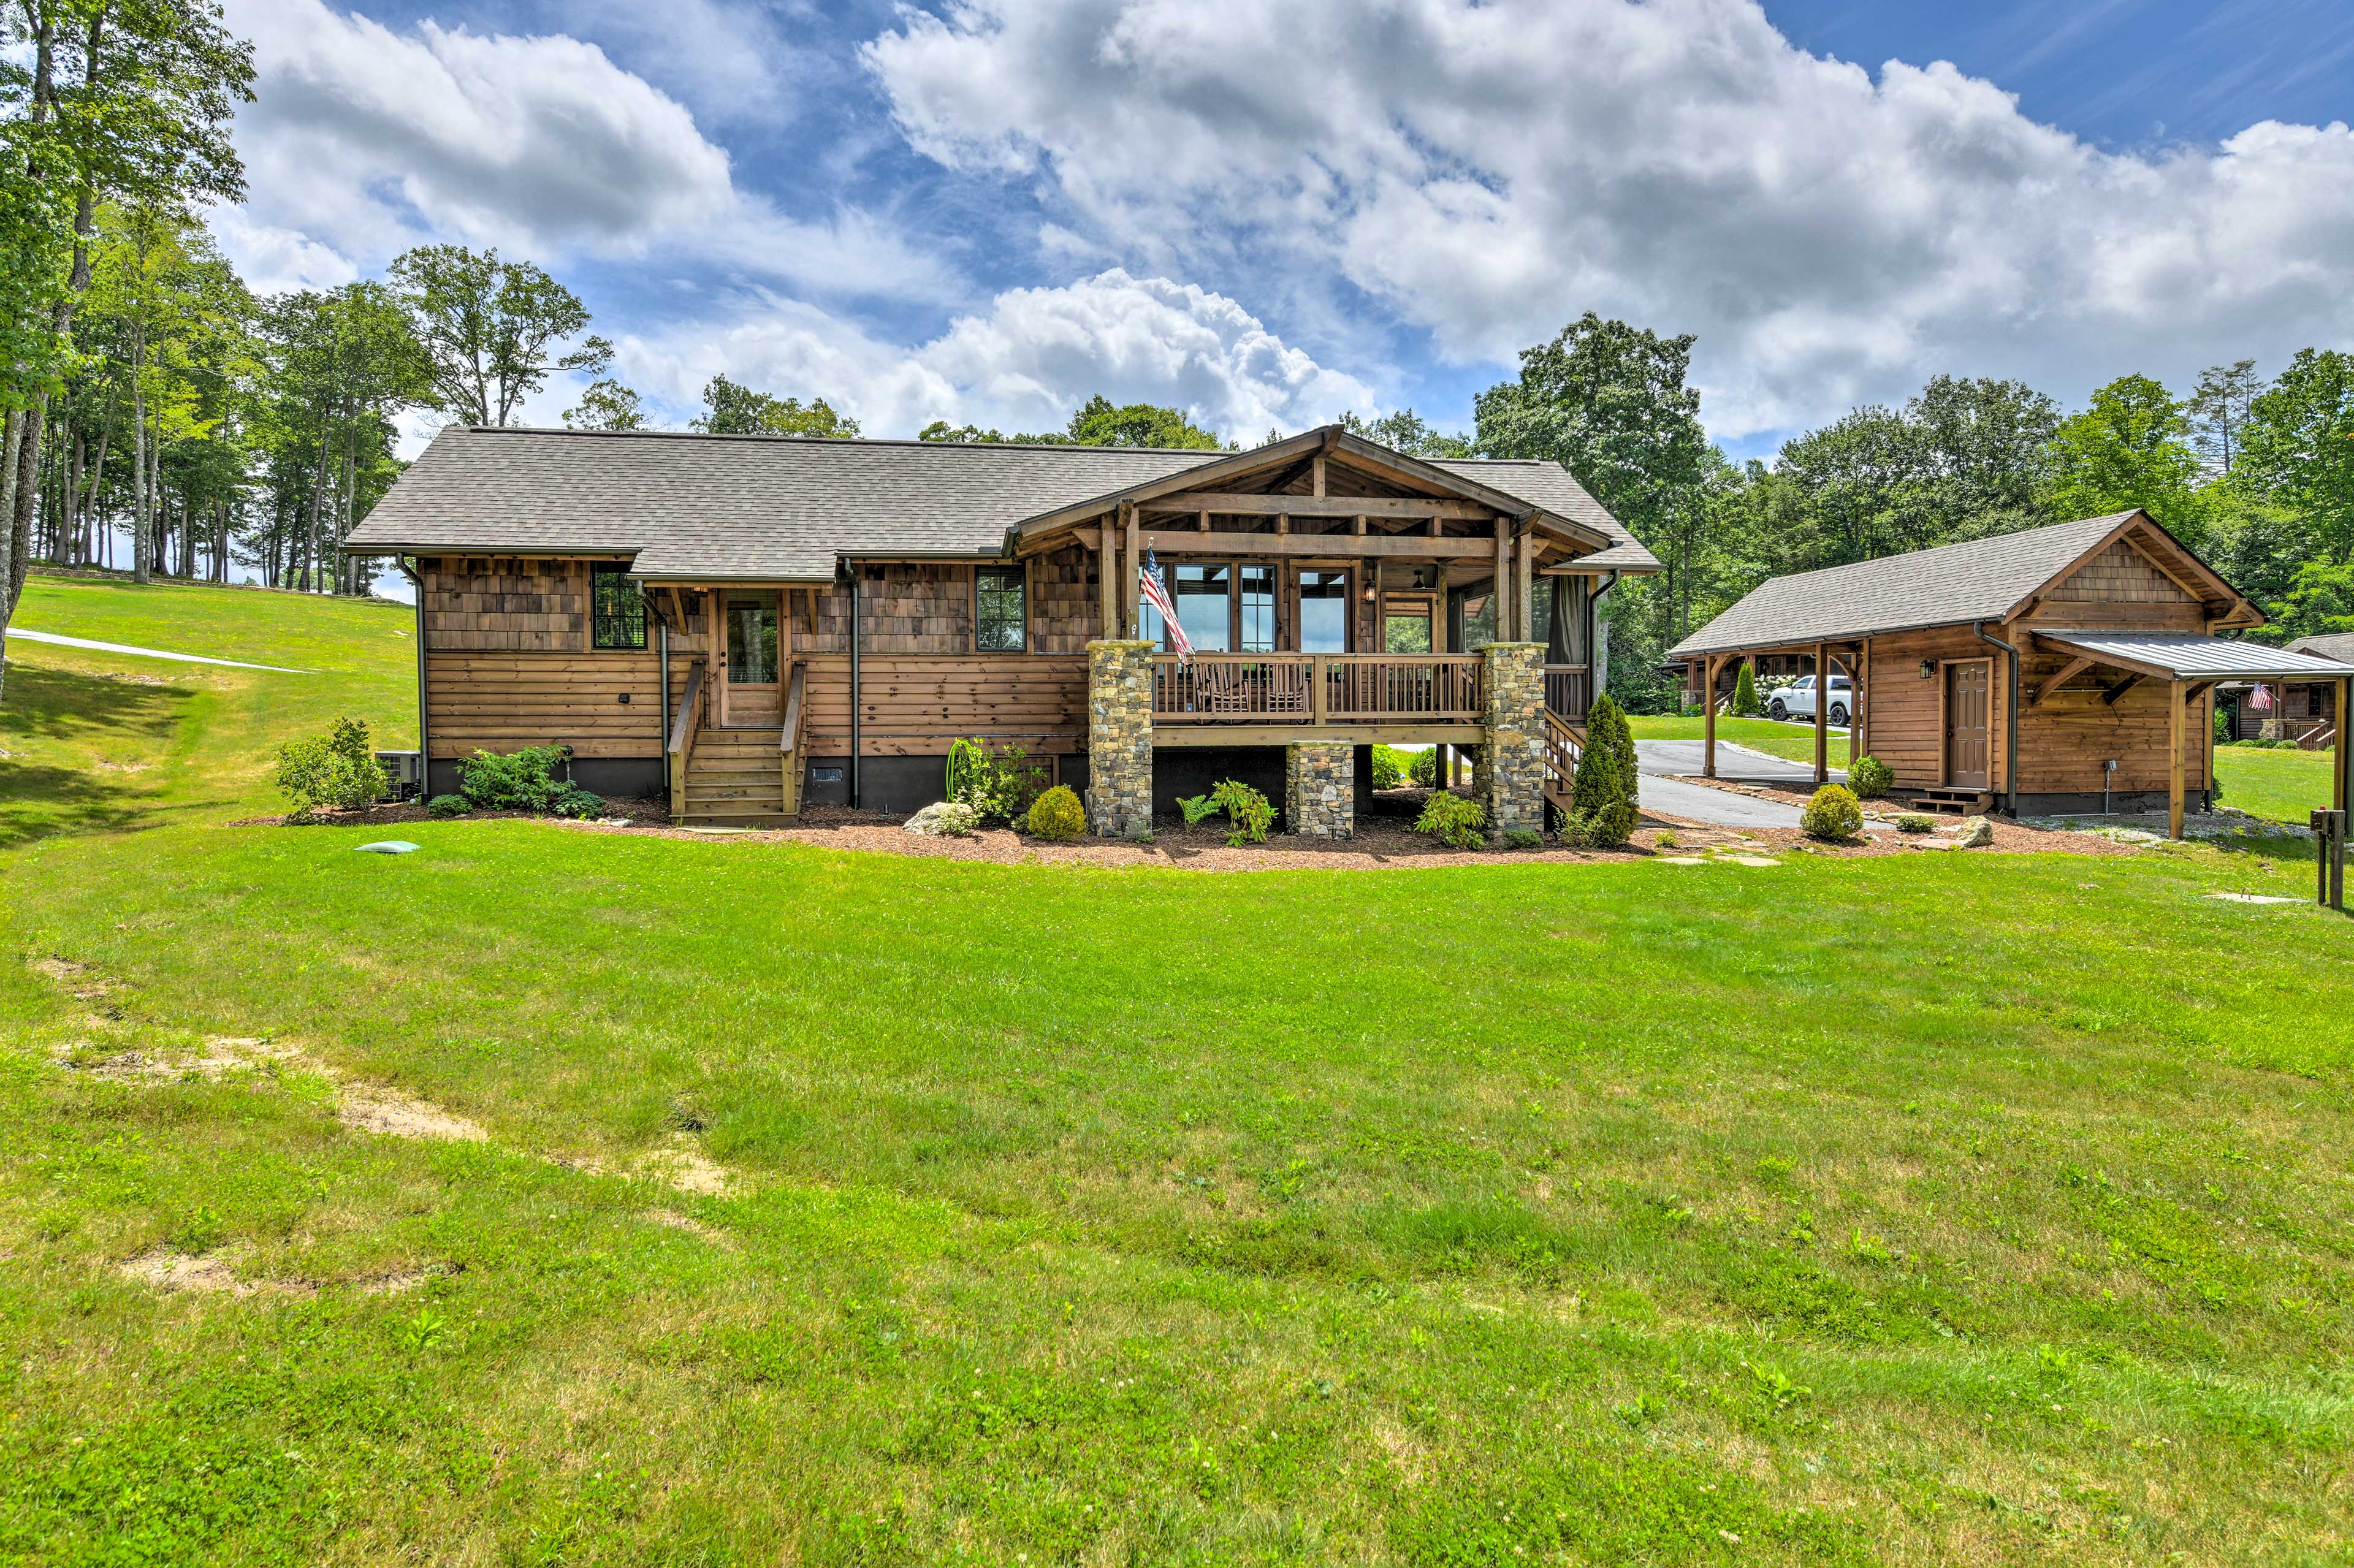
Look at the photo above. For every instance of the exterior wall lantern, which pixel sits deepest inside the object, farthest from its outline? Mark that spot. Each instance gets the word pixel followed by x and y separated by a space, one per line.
pixel 1928 669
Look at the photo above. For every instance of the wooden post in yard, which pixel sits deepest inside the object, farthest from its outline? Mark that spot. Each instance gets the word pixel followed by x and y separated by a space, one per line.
pixel 1822 715
pixel 2174 759
pixel 2341 787
pixel 1708 719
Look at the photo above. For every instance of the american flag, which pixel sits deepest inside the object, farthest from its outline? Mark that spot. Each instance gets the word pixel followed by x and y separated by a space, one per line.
pixel 1158 598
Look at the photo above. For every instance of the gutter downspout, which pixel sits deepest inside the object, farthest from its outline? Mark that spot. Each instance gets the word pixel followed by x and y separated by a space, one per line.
pixel 664 628
pixel 424 746
pixel 2010 753
pixel 853 686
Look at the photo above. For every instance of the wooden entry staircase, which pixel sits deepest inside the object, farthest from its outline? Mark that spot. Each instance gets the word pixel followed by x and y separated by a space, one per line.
pixel 1562 743
pixel 747 778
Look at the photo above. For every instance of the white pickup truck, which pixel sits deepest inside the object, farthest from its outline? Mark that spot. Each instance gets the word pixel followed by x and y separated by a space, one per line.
pixel 1797 700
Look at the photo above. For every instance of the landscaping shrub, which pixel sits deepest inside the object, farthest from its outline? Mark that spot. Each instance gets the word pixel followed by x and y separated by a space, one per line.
pixel 1606 787
pixel 1058 815
pixel 1869 778
pixel 1916 823
pixel 1000 786
pixel 447 806
pixel 2222 728
pixel 1389 767
pixel 1523 838
pixel 1249 812
pixel 1423 769
pixel 1745 692
pixel 1194 808
pixel 1833 813
pixel 522 781
pixel 579 804
pixel 338 768
pixel 1452 821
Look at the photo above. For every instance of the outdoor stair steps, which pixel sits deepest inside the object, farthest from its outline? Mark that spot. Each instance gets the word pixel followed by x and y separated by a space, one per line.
pixel 1954 802
pixel 735 779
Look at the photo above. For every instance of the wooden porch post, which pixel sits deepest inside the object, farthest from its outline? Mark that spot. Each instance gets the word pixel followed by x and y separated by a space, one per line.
pixel 1108 584
pixel 1707 719
pixel 1132 623
pixel 1858 703
pixel 719 651
pixel 1822 715
pixel 1524 600
pixel 2174 759
pixel 2341 787
pixel 1500 596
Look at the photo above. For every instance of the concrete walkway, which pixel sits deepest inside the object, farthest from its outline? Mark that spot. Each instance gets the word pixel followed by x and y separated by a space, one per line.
pixel 1662 761
pixel 51 637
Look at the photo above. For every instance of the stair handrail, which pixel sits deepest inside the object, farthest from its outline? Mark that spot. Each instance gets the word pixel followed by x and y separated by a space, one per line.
pixel 789 742
pixel 683 731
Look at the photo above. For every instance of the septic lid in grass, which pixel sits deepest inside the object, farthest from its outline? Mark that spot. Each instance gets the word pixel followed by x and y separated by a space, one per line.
pixel 2253 898
pixel 389 846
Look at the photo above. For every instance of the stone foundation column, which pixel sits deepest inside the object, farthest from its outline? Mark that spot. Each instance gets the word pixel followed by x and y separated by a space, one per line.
pixel 1119 738
pixel 1510 778
pixel 1320 790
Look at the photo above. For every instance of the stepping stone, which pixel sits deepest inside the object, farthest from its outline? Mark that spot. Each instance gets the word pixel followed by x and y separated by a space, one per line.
pixel 389 846
pixel 1751 860
pixel 2252 899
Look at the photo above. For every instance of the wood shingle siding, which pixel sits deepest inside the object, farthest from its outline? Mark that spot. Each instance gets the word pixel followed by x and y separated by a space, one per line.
pixel 1064 616
pixel 505 605
pixel 2119 575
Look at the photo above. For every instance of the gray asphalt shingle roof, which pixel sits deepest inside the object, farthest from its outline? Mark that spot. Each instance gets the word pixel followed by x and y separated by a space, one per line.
pixel 2338 645
pixel 1977 579
pixel 696 506
pixel 2192 658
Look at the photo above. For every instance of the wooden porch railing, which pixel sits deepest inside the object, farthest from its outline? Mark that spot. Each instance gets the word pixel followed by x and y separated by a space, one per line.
pixel 1569 690
pixel 684 728
pixel 1317 688
pixel 790 761
pixel 1562 747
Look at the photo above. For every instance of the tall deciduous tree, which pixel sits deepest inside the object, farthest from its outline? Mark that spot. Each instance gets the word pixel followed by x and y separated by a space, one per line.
pixel 2299 451
pixel 1099 422
pixel 2131 449
pixel 2219 408
pixel 606 404
pixel 1408 432
pixel 493 330
pixel 731 409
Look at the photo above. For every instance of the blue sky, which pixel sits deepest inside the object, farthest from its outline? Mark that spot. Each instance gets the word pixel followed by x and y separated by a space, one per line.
pixel 986 211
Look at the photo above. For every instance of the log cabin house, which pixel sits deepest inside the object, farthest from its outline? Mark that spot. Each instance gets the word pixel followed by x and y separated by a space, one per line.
pixel 2065 669
pixel 740 624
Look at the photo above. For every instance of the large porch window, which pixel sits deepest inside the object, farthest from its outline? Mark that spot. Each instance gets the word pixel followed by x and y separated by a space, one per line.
pixel 1324 611
pixel 1235 606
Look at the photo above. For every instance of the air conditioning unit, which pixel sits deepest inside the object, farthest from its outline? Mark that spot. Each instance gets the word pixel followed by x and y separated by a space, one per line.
pixel 406 771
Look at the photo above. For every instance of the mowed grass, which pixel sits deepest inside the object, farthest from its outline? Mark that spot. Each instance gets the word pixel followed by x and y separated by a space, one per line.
pixel 93 741
pixel 1789 738
pixel 1951 1208
pixel 2283 786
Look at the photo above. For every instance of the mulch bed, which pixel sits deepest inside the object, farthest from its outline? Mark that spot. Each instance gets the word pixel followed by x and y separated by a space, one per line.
pixel 1384 841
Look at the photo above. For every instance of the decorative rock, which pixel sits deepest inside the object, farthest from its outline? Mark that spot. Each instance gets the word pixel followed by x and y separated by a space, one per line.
pixel 1119 738
pixel 389 846
pixel 946 818
pixel 1976 833
pixel 1320 791
pixel 1508 776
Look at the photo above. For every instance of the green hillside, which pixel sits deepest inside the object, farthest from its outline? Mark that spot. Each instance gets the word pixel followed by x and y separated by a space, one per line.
pixel 790 1205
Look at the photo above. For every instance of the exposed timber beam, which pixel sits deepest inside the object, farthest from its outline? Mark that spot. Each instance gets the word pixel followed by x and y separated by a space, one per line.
pixel 2068 672
pixel 2121 688
pixel 1253 504
pixel 1189 543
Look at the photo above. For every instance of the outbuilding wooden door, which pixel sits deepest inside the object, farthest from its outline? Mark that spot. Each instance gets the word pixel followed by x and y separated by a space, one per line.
pixel 1970 751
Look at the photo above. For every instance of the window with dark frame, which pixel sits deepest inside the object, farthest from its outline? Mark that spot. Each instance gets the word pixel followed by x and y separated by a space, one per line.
pixel 1001 620
pixel 616 610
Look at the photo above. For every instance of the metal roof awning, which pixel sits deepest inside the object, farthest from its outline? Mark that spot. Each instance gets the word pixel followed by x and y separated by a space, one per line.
pixel 2173 656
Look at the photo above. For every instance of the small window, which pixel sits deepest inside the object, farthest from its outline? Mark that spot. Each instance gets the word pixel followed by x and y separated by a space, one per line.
pixel 1001 622
pixel 616 610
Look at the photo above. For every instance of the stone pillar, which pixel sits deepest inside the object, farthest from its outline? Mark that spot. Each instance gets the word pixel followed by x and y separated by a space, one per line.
pixel 1320 790
pixel 1510 778
pixel 1119 738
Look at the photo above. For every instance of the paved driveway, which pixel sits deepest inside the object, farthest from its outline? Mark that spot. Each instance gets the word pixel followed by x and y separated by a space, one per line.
pixel 1661 761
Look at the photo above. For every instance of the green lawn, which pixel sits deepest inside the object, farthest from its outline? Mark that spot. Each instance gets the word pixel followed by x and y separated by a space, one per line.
pixel 1943 1208
pixel 1791 740
pixel 2285 786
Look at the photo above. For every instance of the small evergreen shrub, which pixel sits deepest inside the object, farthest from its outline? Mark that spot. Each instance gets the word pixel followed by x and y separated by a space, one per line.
pixel 1423 769
pixel 1869 778
pixel 1452 821
pixel 447 806
pixel 1389 767
pixel 1916 823
pixel 522 780
pixel 1664 839
pixel 1058 815
pixel 1249 812
pixel 579 804
pixel 1833 813
pixel 1744 692
pixel 1606 786
pixel 338 768
pixel 1523 838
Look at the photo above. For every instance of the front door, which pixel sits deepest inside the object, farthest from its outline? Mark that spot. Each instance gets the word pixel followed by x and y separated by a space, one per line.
pixel 1970 751
pixel 752 693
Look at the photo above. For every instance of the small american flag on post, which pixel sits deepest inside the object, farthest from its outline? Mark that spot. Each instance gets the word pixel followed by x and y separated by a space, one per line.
pixel 1158 598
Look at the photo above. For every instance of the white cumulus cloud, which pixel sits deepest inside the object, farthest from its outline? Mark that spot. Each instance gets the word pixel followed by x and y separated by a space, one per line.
pixel 1488 172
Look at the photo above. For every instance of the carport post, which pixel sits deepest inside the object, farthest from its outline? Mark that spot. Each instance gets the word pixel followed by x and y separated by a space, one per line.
pixel 1707 719
pixel 2342 791
pixel 2174 759
pixel 1823 714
